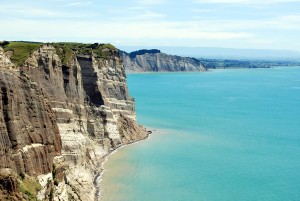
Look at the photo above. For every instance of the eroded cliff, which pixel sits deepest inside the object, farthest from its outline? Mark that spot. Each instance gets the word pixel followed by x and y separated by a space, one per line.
pixel 61 111
pixel 155 61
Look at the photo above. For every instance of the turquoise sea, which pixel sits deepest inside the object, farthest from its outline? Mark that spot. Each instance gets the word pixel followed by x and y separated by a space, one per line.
pixel 224 135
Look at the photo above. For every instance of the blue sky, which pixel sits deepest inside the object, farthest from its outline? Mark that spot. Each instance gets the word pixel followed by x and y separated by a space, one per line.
pixel 263 24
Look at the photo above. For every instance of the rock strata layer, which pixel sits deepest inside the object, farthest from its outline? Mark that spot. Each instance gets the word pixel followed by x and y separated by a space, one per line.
pixel 58 120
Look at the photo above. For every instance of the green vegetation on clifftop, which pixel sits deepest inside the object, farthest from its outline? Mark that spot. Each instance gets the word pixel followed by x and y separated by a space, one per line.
pixel 65 50
pixel 22 50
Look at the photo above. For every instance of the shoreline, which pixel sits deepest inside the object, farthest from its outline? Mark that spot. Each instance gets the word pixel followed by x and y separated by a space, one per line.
pixel 99 177
pixel 208 70
pixel 163 72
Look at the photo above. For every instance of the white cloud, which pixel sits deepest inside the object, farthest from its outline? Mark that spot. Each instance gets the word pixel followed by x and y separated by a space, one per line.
pixel 290 18
pixel 119 30
pixel 278 24
pixel 29 11
pixel 38 13
pixel 244 1
pixel 151 2
pixel 135 13
pixel 79 4
pixel 141 24
pixel 137 8
pixel 202 10
pixel 192 33
pixel 152 15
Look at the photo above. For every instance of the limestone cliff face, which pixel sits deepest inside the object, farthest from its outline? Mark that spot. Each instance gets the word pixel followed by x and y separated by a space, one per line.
pixel 153 61
pixel 58 120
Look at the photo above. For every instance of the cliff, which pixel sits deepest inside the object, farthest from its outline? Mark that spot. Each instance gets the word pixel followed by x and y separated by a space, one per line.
pixel 64 106
pixel 155 61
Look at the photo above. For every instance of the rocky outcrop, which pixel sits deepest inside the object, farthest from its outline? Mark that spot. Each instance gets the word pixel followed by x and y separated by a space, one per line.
pixel 58 120
pixel 155 61
pixel 5 60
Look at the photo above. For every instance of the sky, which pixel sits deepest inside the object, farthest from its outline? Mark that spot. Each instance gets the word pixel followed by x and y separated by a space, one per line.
pixel 249 24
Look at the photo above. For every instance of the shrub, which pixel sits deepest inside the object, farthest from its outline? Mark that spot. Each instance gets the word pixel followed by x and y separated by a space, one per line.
pixel 51 194
pixel 53 171
pixel 4 43
pixel 55 182
pixel 22 175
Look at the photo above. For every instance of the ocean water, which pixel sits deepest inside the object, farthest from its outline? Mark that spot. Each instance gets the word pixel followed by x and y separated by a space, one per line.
pixel 225 135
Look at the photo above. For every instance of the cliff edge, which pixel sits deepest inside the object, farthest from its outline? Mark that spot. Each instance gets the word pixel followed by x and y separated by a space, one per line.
pixel 64 106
